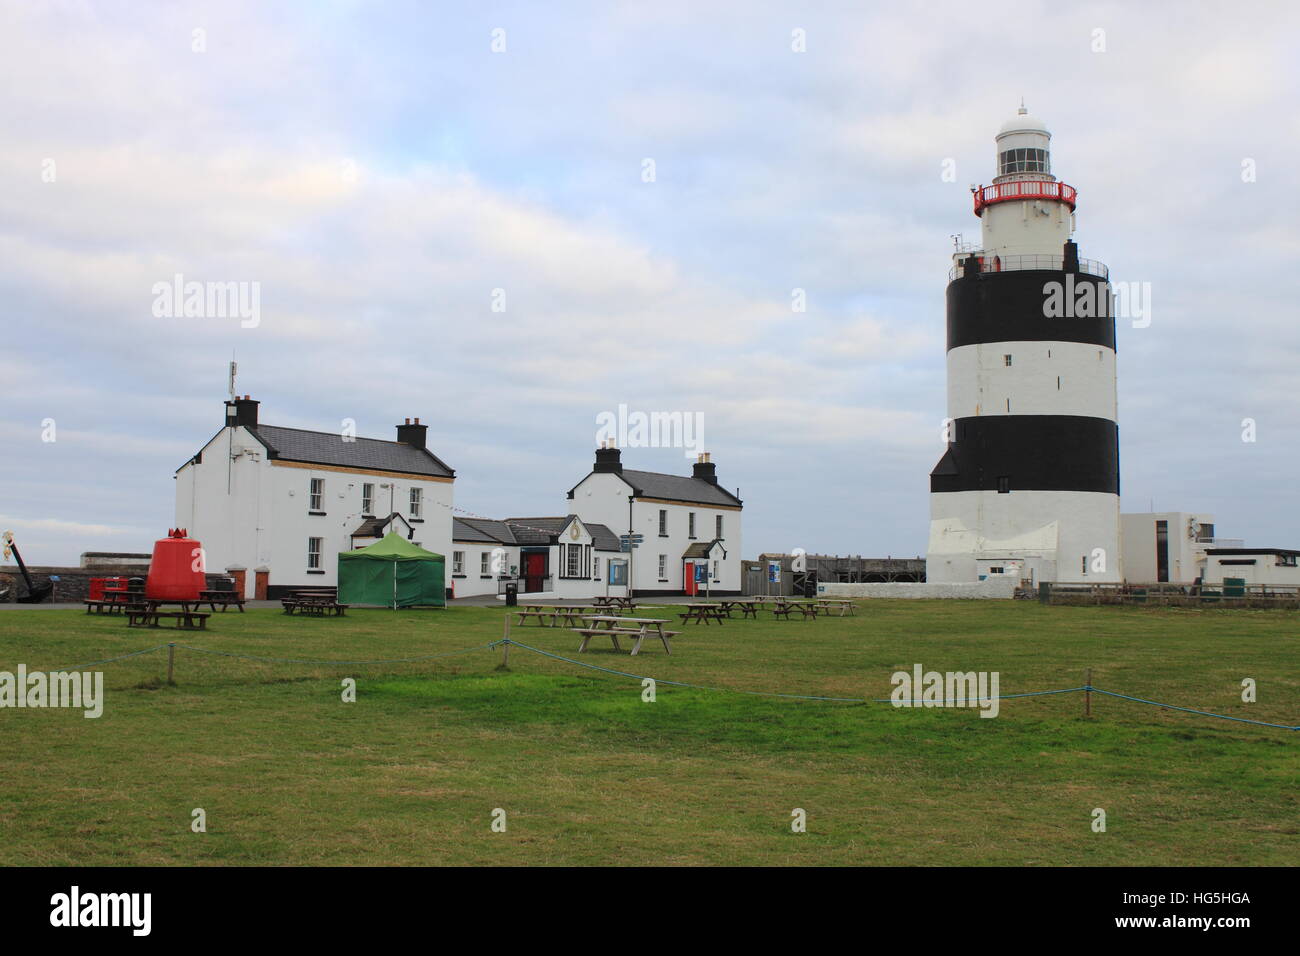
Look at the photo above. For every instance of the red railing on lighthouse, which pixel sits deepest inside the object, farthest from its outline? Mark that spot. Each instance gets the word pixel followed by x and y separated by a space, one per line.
pixel 1024 189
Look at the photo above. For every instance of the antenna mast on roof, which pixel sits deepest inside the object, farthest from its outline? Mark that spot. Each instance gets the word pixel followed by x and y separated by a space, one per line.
pixel 233 369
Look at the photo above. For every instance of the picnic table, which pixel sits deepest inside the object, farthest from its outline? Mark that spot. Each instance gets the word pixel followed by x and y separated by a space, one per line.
pixel 635 627
pixel 224 598
pixel 609 600
pixel 149 615
pixel 843 605
pixel 783 607
pixel 553 614
pixel 314 602
pixel 747 607
pixel 703 613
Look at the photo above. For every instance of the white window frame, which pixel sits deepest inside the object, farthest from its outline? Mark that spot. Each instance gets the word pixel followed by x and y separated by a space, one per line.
pixel 316 495
pixel 717 524
pixel 485 562
pixel 314 548
pixel 663 567
pixel 663 522
pixel 367 498
pixel 573 561
pixel 458 562
pixel 690 524
pixel 417 501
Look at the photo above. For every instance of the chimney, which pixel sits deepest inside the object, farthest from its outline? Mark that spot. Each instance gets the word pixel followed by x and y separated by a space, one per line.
pixel 608 459
pixel 242 411
pixel 705 469
pixel 413 434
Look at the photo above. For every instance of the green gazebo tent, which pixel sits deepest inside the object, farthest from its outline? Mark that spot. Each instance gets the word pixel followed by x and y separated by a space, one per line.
pixel 394 573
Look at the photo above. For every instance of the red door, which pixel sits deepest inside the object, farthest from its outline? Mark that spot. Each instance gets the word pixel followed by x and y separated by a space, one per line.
pixel 534 571
pixel 688 579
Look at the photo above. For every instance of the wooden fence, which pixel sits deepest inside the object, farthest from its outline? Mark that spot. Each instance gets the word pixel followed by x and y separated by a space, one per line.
pixel 1173 595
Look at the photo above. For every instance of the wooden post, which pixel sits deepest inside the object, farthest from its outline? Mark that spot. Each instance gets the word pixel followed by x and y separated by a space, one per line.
pixel 1087 694
pixel 505 645
pixel 171 662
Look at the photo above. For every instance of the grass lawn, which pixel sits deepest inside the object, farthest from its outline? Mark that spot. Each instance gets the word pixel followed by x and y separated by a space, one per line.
pixel 589 774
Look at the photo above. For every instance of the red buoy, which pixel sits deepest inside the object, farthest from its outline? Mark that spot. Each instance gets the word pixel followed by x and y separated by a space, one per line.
pixel 176 572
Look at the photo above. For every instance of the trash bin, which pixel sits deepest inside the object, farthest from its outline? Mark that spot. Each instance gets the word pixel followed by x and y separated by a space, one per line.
pixel 512 594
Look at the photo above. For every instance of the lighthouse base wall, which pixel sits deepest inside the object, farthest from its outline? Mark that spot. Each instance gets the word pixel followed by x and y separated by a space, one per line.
pixel 1065 536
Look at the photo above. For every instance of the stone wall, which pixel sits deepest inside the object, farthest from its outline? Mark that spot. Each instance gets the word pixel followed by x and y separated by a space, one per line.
pixel 74 583
pixel 999 588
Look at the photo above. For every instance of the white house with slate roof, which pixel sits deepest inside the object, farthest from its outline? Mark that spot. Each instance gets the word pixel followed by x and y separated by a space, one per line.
pixel 274 506
pixel 553 557
pixel 690 526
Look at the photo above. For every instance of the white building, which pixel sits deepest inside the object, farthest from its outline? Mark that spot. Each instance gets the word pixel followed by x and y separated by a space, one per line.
pixel 1028 485
pixel 1168 546
pixel 690 527
pixel 1181 548
pixel 1268 566
pixel 273 506
pixel 552 557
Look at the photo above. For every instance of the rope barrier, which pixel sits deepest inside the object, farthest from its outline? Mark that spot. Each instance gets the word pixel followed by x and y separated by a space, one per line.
pixel 110 660
pixel 1188 710
pixel 671 683
pixel 389 660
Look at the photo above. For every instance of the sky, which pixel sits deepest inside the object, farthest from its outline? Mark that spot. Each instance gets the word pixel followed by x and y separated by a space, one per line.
pixel 448 212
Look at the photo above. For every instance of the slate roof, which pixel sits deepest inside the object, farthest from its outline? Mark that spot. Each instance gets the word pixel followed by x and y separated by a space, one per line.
pixel 329 448
pixel 482 530
pixel 527 531
pixel 374 527
pixel 684 488
pixel 701 549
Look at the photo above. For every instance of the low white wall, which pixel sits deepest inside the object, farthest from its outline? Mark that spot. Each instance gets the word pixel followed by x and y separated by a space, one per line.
pixel 999 588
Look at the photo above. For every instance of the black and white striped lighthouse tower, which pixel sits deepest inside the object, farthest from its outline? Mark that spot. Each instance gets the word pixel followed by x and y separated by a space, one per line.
pixel 1029 483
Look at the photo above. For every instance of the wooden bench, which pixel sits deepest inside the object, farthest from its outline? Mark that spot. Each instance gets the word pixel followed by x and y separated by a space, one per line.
pixel 703 613
pixel 639 633
pixel 224 598
pixel 109 607
pixel 314 606
pixel 783 609
pixel 184 619
pixel 843 605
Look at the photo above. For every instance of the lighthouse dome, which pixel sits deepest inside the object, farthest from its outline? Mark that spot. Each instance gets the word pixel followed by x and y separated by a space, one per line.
pixel 1022 122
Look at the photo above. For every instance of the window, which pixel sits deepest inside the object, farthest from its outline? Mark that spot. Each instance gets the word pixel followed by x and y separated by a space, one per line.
pixel 317 502
pixel 715 572
pixel 1006 360
pixel 1204 532
pixel 1008 404
pixel 718 527
pixel 1004 484
pixel 1023 161
pixel 1058 383
pixel 417 501
pixel 313 553
pixel 595 568
pixel 1162 551
pixel 458 562
pixel 663 567
pixel 572 558
pixel 690 525
pixel 995 570
pixel 485 563
pixel 663 523
pixel 1084 563
pixel 1286 561
pixel 367 498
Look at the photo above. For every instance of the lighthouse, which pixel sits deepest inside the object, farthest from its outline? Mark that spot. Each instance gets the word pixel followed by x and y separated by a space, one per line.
pixel 1028 484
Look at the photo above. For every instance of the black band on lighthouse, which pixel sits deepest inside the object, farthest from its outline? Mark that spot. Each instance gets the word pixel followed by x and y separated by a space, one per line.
pixel 1009 307
pixel 1030 453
